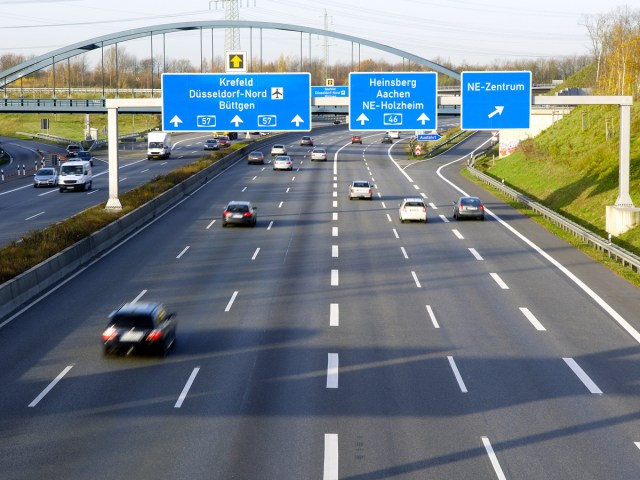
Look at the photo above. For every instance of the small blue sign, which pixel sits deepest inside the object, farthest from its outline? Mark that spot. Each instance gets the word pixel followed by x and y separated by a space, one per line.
pixel 428 137
pixel 229 102
pixel 399 100
pixel 495 100
pixel 317 92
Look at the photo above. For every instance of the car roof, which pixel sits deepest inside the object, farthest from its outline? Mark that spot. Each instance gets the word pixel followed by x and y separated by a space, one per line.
pixel 139 308
pixel 413 199
pixel 239 202
pixel 283 157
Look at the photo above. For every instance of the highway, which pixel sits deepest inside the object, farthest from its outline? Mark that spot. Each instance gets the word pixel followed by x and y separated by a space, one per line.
pixel 332 341
pixel 24 208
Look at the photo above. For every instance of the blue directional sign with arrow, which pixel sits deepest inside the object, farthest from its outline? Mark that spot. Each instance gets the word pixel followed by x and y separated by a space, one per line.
pixel 393 101
pixel 495 100
pixel 230 102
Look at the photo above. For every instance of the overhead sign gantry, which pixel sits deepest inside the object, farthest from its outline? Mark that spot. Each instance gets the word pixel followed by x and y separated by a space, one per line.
pixel 193 102
pixel 393 101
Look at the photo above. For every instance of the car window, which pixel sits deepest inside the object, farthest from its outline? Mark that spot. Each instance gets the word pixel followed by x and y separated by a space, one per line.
pixel 238 208
pixel 360 184
pixel 45 171
pixel 470 201
pixel 124 320
pixel 414 204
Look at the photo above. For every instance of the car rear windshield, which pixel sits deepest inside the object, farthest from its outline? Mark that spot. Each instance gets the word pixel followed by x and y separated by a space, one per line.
pixel 238 208
pixel 45 171
pixel 133 321
pixel 361 184
pixel 470 201
pixel 414 204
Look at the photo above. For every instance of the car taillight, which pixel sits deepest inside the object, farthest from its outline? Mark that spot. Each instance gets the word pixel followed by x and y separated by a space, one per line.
pixel 247 214
pixel 154 335
pixel 481 207
pixel 109 334
pixel 226 213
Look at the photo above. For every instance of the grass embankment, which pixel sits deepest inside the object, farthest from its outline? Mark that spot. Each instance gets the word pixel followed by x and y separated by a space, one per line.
pixel 449 139
pixel 37 246
pixel 572 168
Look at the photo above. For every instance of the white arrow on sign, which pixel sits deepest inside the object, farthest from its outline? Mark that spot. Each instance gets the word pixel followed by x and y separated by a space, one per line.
pixel 423 118
pixel 297 120
pixel 497 111
pixel 176 121
pixel 237 120
pixel 362 118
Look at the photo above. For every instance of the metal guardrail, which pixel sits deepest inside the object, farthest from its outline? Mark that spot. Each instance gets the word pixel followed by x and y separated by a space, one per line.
pixel 623 256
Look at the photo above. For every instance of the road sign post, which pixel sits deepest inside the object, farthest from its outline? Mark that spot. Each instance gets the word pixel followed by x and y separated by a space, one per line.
pixel 193 102
pixel 393 101
pixel 495 100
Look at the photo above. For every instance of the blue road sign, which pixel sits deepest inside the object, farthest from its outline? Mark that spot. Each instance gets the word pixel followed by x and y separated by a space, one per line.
pixel 495 100
pixel 329 91
pixel 428 137
pixel 393 101
pixel 230 102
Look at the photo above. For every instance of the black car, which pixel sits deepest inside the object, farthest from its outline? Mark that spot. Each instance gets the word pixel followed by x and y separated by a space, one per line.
pixel 146 327
pixel 386 139
pixel 85 155
pixel 468 207
pixel 240 213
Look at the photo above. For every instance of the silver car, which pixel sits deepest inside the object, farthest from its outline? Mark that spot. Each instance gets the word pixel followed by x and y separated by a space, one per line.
pixel 278 149
pixel 468 207
pixel 319 154
pixel 283 162
pixel 360 189
pixel 239 213
pixel 45 177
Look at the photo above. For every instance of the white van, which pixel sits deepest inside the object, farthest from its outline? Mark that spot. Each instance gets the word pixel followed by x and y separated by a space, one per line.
pixel 75 175
pixel 158 145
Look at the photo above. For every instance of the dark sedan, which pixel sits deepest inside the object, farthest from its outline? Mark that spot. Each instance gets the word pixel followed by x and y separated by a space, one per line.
pixel 146 327
pixel 468 207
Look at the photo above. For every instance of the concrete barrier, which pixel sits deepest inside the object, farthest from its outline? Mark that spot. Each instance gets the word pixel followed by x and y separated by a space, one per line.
pixel 19 291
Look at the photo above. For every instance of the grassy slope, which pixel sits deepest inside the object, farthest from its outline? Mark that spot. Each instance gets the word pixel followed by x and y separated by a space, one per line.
pixel 574 170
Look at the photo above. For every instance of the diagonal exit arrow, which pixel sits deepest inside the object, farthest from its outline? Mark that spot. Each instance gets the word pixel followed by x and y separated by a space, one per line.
pixel 237 120
pixel 176 121
pixel 297 120
pixel 362 119
pixel 497 111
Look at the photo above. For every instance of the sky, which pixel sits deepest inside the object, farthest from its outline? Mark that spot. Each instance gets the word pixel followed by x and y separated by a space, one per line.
pixel 472 31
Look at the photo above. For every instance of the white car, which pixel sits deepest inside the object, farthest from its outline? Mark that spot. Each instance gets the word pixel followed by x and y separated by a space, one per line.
pixel 318 154
pixel 278 149
pixel 283 162
pixel 394 134
pixel 413 209
pixel 360 189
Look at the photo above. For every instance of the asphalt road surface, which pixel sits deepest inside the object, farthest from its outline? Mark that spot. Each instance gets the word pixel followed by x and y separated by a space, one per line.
pixel 332 341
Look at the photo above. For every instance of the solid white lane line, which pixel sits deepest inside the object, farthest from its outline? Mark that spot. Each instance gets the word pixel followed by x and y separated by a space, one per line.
pixel 389 217
pixel 334 251
pixel 139 296
pixel 332 370
pixel 183 252
pixel 404 252
pixel 335 216
pixel 270 225
pixel 211 224
pixel 334 278
pixel 444 219
pixel 456 372
pixel 280 206
pixel 256 253
pixel 457 234
pixel 34 216
pixel 186 388
pixel 330 470
pixel 231 300
pixel 334 315
pixel 475 254
pixel 499 281
pixel 415 279
pixel 584 378
pixel 534 321
pixel 432 316
pixel 334 231
pixel 395 232
pixel 50 386
pixel 494 459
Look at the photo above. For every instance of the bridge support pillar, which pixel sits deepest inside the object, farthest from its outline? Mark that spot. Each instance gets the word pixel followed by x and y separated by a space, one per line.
pixel 113 203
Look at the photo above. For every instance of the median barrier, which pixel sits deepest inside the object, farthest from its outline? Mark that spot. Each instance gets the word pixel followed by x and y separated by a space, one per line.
pixel 22 289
